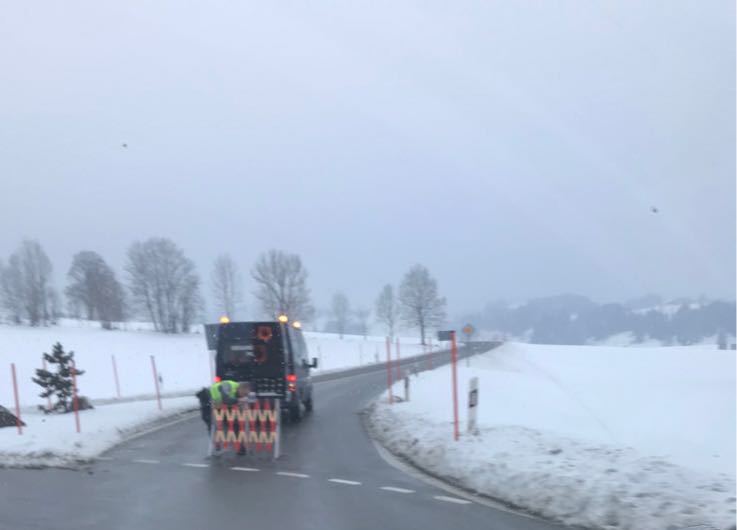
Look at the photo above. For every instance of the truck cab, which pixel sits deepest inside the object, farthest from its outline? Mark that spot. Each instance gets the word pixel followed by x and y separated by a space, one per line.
pixel 271 356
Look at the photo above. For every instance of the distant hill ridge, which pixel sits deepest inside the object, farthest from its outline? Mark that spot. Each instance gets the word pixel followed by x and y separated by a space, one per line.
pixel 575 319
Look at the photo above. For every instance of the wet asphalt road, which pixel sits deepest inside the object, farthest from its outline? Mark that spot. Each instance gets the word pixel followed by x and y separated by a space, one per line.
pixel 330 477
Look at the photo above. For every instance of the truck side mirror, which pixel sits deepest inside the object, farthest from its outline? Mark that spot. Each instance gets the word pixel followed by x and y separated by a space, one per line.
pixel 314 362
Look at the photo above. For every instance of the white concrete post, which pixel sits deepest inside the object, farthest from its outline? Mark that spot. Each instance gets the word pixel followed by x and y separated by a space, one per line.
pixel 473 402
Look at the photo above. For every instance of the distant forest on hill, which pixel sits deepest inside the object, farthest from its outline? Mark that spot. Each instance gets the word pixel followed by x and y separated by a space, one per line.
pixel 574 319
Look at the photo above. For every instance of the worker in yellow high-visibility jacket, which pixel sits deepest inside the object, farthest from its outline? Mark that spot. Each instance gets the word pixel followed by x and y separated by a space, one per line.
pixel 220 393
pixel 228 392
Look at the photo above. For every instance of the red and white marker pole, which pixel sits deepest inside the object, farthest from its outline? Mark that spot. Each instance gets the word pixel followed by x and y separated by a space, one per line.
pixel 399 366
pixel 18 422
pixel 389 368
pixel 156 381
pixel 115 374
pixel 75 400
pixel 454 362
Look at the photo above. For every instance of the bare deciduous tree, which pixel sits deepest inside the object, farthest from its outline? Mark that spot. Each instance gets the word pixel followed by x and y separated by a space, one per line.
pixel 387 312
pixel 341 311
pixel 281 286
pixel 421 307
pixel 94 288
pixel 164 284
pixel 11 294
pixel 227 286
pixel 362 318
pixel 26 284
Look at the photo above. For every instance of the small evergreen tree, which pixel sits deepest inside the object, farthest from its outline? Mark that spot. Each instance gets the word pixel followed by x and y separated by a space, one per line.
pixel 58 383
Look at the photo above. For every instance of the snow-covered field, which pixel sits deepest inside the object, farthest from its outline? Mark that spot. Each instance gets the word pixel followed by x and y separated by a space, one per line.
pixel 628 438
pixel 52 440
pixel 182 361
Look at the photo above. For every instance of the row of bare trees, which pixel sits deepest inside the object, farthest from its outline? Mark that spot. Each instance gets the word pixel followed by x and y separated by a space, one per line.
pixel 26 290
pixel 416 306
pixel 280 282
pixel 93 290
pixel 163 286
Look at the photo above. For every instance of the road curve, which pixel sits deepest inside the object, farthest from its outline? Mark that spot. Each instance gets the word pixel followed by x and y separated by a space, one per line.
pixel 330 477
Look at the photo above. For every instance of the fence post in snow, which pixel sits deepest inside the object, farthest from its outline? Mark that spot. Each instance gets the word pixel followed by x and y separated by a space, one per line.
pixel 473 403
pixel 115 374
pixel 18 422
pixel 156 381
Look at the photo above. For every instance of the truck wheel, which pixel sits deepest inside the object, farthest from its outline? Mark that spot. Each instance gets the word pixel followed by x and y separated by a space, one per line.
pixel 308 405
pixel 295 412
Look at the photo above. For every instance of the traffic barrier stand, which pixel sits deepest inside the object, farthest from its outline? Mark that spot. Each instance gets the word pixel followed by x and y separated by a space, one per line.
pixel 252 427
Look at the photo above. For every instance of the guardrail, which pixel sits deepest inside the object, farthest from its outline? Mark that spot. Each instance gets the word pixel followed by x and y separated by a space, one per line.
pixel 422 362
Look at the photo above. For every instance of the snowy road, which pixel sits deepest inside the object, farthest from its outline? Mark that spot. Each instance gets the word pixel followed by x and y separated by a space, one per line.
pixel 329 477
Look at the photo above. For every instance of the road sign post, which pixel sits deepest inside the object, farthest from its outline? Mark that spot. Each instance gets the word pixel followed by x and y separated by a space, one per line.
pixel 468 331
pixel 473 402
pixel 451 335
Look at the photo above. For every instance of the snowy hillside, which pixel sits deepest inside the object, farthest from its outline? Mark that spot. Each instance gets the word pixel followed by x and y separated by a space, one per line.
pixel 181 360
pixel 638 438
pixel 572 319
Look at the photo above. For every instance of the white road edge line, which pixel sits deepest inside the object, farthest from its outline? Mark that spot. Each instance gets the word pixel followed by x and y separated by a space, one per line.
pixel 289 474
pixel 343 481
pixel 396 490
pixel 184 417
pixel 396 463
pixel 251 469
pixel 451 499
pixel 145 461
pixel 187 464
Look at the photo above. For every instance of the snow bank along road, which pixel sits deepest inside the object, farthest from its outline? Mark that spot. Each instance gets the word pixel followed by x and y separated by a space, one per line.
pixel 330 476
pixel 627 438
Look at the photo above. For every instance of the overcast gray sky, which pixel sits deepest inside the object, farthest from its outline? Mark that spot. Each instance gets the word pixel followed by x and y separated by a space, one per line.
pixel 514 148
